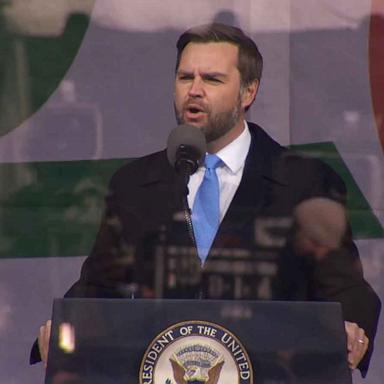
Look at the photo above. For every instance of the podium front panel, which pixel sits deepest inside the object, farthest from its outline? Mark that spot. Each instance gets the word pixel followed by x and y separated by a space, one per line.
pixel 196 341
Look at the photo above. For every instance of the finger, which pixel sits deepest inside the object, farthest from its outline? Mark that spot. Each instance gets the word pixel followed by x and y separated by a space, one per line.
pixel 46 340
pixel 355 346
pixel 359 341
pixel 43 340
pixel 360 346
pixel 353 334
pixel 40 340
pixel 362 342
pixel 350 329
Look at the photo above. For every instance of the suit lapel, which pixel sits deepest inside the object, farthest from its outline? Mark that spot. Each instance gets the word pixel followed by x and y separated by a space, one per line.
pixel 254 191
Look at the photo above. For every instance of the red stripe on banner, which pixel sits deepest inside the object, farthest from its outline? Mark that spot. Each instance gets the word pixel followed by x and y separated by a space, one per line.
pixel 376 64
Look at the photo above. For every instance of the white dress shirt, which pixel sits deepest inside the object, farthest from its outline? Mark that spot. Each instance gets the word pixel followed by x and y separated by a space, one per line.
pixel 229 173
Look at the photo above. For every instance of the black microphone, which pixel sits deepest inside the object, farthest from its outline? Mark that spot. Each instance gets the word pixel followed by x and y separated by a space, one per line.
pixel 186 148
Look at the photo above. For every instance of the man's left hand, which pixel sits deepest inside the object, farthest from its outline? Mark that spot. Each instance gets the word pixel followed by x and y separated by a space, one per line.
pixel 357 343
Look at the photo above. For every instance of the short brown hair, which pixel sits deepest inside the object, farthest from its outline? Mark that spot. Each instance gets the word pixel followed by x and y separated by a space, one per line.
pixel 250 61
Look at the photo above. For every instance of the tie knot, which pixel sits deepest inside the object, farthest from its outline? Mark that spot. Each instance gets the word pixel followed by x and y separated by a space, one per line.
pixel 211 161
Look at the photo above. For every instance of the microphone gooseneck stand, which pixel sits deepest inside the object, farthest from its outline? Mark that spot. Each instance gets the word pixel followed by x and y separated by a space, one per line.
pixel 185 168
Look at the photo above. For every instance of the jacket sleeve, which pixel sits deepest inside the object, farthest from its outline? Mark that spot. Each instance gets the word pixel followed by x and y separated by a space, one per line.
pixel 100 272
pixel 109 268
pixel 339 276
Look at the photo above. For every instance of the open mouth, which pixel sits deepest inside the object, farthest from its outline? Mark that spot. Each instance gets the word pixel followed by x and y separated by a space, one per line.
pixel 194 111
pixel 194 108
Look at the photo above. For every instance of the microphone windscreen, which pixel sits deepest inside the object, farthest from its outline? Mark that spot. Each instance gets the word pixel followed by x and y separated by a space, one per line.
pixel 186 135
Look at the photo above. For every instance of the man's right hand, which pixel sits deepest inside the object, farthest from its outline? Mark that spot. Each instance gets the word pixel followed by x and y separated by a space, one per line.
pixel 43 340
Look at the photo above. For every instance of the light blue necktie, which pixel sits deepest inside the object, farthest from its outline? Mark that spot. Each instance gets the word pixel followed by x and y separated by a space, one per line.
pixel 206 208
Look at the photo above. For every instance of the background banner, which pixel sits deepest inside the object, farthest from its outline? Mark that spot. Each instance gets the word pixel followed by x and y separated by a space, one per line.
pixel 87 85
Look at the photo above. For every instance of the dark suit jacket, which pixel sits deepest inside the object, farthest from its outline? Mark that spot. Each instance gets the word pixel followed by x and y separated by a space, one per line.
pixel 144 249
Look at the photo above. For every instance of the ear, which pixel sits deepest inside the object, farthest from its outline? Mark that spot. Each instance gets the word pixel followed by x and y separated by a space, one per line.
pixel 248 94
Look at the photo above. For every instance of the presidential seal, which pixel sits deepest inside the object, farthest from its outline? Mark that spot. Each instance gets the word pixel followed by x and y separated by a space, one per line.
pixel 196 352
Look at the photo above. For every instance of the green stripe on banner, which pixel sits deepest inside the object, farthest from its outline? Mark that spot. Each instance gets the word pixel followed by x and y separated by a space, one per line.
pixel 364 223
pixel 54 208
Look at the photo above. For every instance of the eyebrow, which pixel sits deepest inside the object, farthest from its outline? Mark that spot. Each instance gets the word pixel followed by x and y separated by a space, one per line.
pixel 203 74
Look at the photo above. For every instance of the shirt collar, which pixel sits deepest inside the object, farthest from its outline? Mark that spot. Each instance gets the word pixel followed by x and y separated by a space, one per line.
pixel 233 155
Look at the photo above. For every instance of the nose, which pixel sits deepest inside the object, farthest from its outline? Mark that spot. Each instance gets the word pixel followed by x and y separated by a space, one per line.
pixel 196 89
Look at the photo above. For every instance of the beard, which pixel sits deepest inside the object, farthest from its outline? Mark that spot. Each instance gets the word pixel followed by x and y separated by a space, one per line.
pixel 218 124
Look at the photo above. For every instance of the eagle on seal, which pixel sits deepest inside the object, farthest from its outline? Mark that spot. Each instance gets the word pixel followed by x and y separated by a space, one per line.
pixel 181 375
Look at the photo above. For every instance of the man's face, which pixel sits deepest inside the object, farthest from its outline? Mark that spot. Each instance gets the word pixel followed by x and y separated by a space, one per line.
pixel 207 89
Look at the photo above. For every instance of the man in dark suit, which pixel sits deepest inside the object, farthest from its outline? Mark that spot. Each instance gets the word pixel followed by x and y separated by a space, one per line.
pixel 146 246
